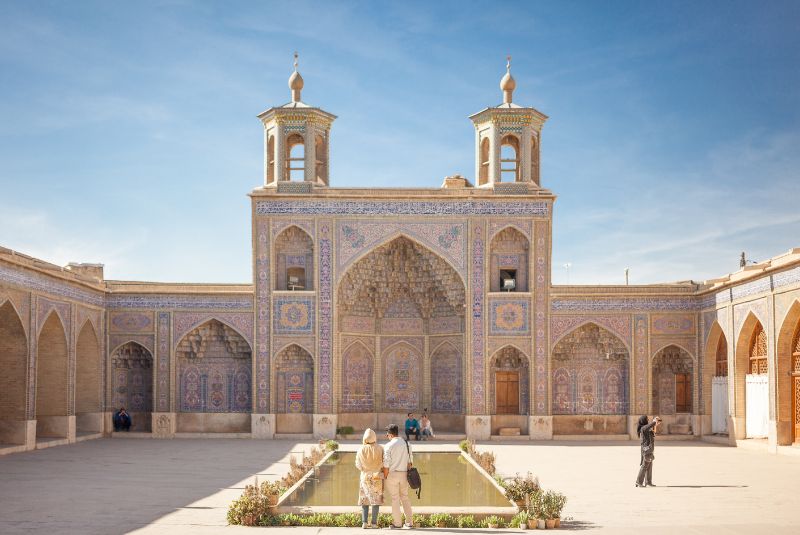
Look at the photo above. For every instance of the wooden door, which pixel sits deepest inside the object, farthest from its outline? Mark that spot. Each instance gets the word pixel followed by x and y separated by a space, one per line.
pixel 683 392
pixel 507 392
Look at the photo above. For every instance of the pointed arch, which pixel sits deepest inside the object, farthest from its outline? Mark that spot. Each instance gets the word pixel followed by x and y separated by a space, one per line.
pixel 446 378
pixel 209 358
pixel 294 259
pixel 665 344
pixel 52 377
pixel 672 380
pixel 748 334
pixel 358 368
pixel 402 377
pixel 788 376
pixel 294 371
pixel 509 377
pixel 509 260
pixel 716 348
pixel 582 324
pixel 591 366
pixel 88 370
pixel 13 373
pixel 132 383
pixel 389 238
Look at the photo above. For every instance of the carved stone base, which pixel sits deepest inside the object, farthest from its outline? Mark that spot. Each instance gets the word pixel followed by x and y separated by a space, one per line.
pixel 540 427
pixel 262 426
pixel 164 424
pixel 478 427
pixel 325 426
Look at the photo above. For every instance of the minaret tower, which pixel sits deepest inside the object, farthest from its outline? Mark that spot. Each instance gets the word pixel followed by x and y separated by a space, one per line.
pixel 507 139
pixel 296 140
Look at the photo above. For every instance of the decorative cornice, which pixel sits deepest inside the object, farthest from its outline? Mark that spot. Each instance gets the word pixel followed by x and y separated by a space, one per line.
pixel 177 302
pixel 623 304
pixel 443 207
pixel 30 280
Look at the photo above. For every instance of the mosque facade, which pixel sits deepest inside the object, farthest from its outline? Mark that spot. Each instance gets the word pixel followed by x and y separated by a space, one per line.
pixel 367 304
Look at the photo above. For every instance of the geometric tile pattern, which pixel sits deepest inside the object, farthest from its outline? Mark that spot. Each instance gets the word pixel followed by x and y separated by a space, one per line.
pixel 508 317
pixel 293 315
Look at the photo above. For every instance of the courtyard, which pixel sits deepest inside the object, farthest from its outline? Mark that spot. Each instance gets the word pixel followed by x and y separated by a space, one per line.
pixel 144 486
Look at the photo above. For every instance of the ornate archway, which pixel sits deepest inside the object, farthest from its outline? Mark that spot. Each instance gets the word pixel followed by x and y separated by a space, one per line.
pixel 672 382
pixel 508 382
pixel 590 373
pixel 408 303
pixel 788 377
pixel 132 384
pixel 751 381
pixel 294 390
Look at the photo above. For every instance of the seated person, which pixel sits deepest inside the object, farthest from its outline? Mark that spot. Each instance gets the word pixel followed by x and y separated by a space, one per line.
pixel 412 426
pixel 121 420
pixel 426 427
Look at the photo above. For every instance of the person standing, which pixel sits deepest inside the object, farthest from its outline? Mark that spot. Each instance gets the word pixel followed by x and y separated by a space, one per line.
pixel 369 461
pixel 397 459
pixel 412 426
pixel 646 431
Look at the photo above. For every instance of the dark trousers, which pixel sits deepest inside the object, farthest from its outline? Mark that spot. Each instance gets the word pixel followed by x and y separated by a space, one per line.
pixel 365 517
pixel 414 432
pixel 645 476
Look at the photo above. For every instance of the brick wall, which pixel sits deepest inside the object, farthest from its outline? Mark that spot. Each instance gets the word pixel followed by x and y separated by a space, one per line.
pixel 13 362
pixel 52 369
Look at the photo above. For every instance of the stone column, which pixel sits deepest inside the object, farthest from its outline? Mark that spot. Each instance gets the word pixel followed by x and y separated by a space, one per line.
pixel 525 157
pixel 280 160
pixel 310 154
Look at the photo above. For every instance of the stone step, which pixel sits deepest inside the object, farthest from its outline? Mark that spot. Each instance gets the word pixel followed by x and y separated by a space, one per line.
pixel 294 436
pixel 509 431
pixel 507 438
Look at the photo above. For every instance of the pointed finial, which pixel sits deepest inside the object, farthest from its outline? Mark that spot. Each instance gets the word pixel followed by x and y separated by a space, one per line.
pixel 507 84
pixel 295 82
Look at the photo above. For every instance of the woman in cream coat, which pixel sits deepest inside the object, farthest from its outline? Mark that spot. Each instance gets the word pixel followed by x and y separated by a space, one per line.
pixel 369 460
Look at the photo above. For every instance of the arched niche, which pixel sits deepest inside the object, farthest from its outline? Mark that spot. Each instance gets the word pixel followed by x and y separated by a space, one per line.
pixel 750 373
pixel 132 384
pixel 446 379
pixel 14 365
pixel 672 381
pixel 52 380
pixel 294 390
pixel 509 393
pixel 88 381
pixel 509 261
pixel 590 373
pixel 294 256
pixel 214 370
pixel 788 377
pixel 357 371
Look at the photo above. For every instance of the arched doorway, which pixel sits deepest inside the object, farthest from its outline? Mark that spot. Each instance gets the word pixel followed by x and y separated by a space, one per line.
pixel 132 384
pixel 13 363
pixel 589 383
pixel 752 385
pixel 719 383
pixel 52 380
pixel 294 390
pixel 672 389
pixel 88 382
pixel 406 304
pixel 788 377
pixel 509 393
pixel 214 370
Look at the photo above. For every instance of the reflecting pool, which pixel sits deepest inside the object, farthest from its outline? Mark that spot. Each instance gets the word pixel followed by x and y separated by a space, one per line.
pixel 448 479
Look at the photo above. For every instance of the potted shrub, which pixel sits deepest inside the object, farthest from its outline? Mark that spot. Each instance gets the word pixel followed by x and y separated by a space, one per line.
pixel 332 445
pixel 558 502
pixel 467 521
pixel 537 508
pixel 272 491
pixel 522 518
pixel 441 520
pixel 493 522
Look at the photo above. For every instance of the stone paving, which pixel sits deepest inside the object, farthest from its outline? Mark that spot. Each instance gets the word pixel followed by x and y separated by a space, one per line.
pixel 144 486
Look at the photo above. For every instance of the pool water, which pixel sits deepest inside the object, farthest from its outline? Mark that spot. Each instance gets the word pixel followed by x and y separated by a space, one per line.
pixel 447 479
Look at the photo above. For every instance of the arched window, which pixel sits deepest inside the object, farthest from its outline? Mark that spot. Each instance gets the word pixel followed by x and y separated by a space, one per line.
pixel 509 261
pixel 509 159
pixel 271 160
pixel 321 153
pixel 722 358
pixel 758 351
pixel 295 157
pixel 294 252
pixel 483 175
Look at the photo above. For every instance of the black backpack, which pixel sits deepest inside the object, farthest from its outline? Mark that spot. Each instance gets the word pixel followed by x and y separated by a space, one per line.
pixel 412 475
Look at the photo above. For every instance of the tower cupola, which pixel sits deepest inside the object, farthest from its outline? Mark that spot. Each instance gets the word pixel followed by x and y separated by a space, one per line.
pixel 296 140
pixel 507 139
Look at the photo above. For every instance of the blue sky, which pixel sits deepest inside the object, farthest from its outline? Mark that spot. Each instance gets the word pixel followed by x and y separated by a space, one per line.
pixel 129 134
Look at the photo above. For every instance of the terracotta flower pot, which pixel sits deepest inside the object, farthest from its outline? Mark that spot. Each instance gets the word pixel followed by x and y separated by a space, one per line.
pixel 550 523
pixel 558 522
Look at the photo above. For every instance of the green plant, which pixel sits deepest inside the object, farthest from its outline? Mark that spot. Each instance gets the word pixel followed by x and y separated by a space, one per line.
pixel 345 430
pixel 384 520
pixel 332 445
pixel 250 507
pixel 537 506
pixel 500 481
pixel 348 520
pixel 492 521
pixel 520 518
pixel 467 521
pixel 465 445
pixel 520 489
pixel 485 460
pixel 554 503
pixel 289 519
pixel 443 520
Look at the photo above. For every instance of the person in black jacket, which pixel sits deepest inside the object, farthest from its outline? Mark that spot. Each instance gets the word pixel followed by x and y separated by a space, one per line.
pixel 646 432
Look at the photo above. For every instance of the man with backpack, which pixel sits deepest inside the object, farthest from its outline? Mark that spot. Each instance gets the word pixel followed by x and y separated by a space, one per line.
pixel 397 459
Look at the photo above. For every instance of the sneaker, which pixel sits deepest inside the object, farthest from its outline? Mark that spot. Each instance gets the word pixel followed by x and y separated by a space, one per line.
pixel 364 525
pixel 372 526
pixel 408 526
